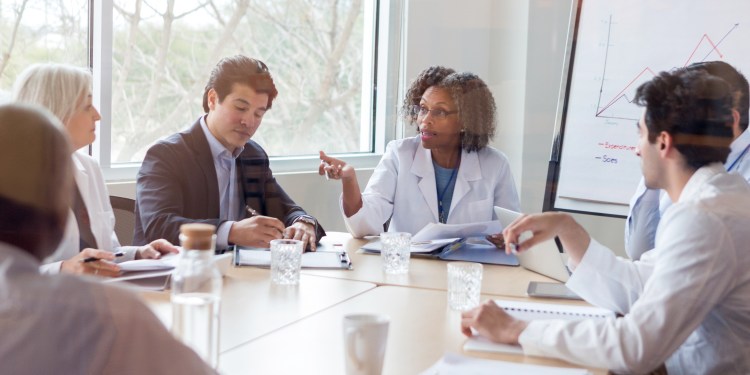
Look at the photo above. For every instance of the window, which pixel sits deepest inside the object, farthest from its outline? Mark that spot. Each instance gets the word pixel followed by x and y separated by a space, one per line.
pixel 321 54
pixel 151 60
pixel 40 31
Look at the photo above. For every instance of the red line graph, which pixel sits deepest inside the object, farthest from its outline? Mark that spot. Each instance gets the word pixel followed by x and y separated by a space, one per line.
pixel 621 94
pixel 714 47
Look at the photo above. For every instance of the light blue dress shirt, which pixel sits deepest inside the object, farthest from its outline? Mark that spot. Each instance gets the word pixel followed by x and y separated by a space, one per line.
pixel 230 202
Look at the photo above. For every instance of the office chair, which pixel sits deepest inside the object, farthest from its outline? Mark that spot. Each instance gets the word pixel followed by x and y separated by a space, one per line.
pixel 124 209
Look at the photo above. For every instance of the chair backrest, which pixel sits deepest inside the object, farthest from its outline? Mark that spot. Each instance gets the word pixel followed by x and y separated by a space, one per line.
pixel 124 209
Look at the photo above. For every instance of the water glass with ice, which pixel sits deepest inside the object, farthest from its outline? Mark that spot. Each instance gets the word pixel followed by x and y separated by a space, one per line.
pixel 395 251
pixel 464 285
pixel 286 261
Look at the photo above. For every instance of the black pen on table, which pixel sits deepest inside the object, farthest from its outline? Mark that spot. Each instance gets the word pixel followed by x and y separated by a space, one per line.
pixel 94 259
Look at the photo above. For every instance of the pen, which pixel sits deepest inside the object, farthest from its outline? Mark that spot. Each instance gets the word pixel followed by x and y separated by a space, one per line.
pixel 345 260
pixel 513 248
pixel 94 259
pixel 325 172
pixel 454 246
pixel 251 211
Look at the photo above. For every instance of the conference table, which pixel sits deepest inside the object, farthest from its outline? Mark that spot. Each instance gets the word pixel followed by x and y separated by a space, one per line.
pixel 424 272
pixel 268 328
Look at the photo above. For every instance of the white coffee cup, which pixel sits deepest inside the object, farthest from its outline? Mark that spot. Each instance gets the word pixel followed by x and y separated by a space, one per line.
pixel 365 336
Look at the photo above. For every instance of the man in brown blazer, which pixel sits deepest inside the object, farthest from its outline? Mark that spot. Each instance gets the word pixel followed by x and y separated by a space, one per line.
pixel 213 173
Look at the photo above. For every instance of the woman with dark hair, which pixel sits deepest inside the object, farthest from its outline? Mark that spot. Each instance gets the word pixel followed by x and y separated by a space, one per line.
pixel 446 174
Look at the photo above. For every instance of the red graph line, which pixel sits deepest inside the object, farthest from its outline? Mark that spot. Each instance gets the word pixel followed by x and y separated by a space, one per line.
pixel 647 69
pixel 715 48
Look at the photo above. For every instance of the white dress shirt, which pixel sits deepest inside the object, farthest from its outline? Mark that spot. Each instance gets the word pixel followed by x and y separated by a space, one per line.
pixel 402 188
pixel 686 304
pixel 62 324
pixel 648 205
pixel 90 182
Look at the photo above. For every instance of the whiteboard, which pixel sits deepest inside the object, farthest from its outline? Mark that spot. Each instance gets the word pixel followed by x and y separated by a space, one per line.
pixel 614 47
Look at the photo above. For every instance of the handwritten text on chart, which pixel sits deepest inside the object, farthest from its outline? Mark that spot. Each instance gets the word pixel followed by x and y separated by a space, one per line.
pixel 606 159
pixel 610 146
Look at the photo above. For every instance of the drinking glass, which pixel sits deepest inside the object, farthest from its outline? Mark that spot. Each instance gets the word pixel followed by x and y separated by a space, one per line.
pixel 286 261
pixel 395 251
pixel 464 285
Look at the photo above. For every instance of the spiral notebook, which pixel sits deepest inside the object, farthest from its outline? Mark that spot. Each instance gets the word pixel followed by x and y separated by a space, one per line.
pixel 535 311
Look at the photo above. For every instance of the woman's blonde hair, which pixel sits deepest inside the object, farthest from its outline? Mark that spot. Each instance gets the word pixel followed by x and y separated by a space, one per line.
pixel 57 87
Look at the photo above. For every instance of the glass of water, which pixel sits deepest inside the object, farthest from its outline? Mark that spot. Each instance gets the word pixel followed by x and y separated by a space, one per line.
pixel 395 251
pixel 464 285
pixel 286 261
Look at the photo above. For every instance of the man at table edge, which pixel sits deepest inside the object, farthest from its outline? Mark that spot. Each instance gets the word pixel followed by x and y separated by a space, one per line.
pixel 685 304
pixel 232 187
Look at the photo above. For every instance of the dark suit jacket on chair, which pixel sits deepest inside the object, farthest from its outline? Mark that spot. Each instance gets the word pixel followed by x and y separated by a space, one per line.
pixel 177 184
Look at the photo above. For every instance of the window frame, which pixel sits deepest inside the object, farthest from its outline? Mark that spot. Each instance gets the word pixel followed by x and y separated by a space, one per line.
pixel 383 91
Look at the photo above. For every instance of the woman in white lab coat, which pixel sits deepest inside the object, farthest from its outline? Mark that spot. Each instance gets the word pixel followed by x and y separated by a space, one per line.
pixel 447 173
pixel 66 92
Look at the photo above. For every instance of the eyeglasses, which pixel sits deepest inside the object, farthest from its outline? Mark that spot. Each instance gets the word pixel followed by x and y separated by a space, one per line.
pixel 421 112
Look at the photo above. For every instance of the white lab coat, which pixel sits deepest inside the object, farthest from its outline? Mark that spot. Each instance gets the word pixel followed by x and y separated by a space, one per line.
pixel 648 205
pixel 686 304
pixel 89 179
pixel 402 188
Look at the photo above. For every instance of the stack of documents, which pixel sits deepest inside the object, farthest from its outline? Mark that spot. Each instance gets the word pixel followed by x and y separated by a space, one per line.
pixel 150 274
pixel 462 242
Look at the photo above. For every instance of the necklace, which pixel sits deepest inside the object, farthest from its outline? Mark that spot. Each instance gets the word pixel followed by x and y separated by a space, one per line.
pixel 441 196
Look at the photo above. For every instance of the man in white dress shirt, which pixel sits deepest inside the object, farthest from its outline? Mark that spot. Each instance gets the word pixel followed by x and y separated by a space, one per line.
pixel 63 324
pixel 648 205
pixel 687 303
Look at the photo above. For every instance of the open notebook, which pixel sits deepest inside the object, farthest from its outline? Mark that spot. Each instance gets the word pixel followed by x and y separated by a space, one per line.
pixel 534 311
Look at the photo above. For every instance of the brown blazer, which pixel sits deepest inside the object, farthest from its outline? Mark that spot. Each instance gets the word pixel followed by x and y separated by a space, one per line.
pixel 177 184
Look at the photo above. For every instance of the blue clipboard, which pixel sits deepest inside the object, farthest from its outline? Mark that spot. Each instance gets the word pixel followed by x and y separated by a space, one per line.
pixel 477 250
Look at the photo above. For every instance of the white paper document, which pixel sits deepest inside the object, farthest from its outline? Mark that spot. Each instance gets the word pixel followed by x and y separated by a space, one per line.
pixel 417 247
pixel 146 265
pixel 531 311
pixel 454 364
pixel 436 231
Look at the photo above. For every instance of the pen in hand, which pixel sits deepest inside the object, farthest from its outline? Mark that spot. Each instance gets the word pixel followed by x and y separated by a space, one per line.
pixel 251 211
pixel 94 259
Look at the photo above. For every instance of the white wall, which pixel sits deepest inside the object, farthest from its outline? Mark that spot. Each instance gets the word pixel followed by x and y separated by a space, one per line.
pixel 517 47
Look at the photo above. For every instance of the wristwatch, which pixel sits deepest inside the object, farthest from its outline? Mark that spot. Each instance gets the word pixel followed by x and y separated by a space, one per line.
pixel 307 219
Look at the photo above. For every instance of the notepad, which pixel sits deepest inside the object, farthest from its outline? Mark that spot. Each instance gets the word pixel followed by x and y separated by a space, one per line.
pixel 318 259
pixel 536 311
pixel 456 364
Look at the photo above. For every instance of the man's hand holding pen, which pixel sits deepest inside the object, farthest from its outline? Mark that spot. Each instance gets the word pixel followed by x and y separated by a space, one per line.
pixel 258 231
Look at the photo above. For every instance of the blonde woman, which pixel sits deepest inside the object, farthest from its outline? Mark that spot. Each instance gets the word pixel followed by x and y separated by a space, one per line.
pixel 66 92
